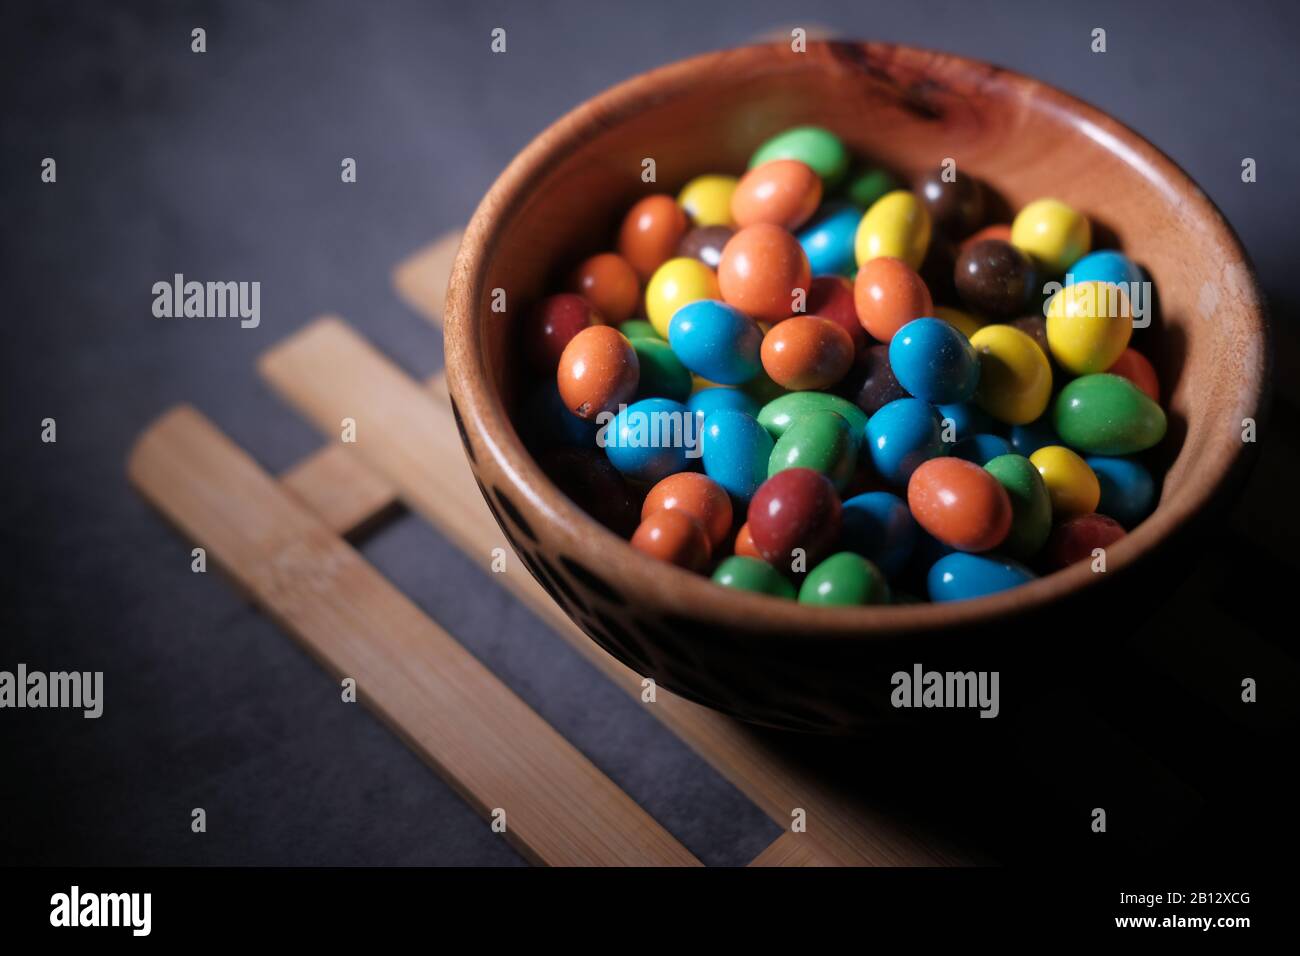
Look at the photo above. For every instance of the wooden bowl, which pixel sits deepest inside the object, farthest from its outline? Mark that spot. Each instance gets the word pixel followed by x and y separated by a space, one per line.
pixel 829 669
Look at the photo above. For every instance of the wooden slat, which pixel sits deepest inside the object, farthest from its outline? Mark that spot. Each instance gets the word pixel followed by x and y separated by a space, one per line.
pixel 794 849
pixel 342 492
pixel 486 742
pixel 329 372
pixel 421 278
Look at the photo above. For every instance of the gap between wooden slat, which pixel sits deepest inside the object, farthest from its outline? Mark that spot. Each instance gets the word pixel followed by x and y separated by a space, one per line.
pixel 328 372
pixel 486 742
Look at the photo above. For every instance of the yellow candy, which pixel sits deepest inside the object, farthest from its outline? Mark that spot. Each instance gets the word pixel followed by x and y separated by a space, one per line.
pixel 1088 326
pixel 963 322
pixel 1053 233
pixel 673 285
pixel 897 225
pixel 1071 484
pixel 1015 376
pixel 707 199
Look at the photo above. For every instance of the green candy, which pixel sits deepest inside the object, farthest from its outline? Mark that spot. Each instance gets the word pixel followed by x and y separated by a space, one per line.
pixel 844 579
pixel 751 574
pixel 780 413
pixel 662 373
pixel 1031 505
pixel 820 440
pixel 762 389
pixel 639 329
pixel 819 148
pixel 867 184
pixel 1107 415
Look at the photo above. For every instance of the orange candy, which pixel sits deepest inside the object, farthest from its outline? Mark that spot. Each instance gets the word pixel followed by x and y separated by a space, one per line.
pixel 610 284
pixel 745 546
pixel 674 536
pixel 760 270
pixel 1137 368
pixel 696 495
pixel 598 371
pixel 960 503
pixel 650 232
pixel 888 293
pixel 807 352
pixel 782 192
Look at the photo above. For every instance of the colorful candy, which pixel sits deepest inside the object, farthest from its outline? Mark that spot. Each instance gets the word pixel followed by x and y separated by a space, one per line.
pixel 897 225
pixel 960 504
pixel 794 518
pixel 699 497
pixel 717 341
pixel 822 441
pixel 888 294
pixel 819 149
pixel 752 574
pixel 781 192
pixel 763 271
pixel 1052 232
pixel 796 358
pixel 1080 538
pixel 996 279
pixel 1088 326
pixel 902 435
pixel 551 325
pixel 962 577
pixel 1071 485
pixel 736 450
pixel 675 537
pixel 934 362
pixel 610 284
pixel 1015 378
pixel 707 199
pixel 598 371
pixel 676 283
pixel 1031 504
pixel 806 352
pixel 1107 415
pixel 650 232
pixel 844 579
pixel 827 239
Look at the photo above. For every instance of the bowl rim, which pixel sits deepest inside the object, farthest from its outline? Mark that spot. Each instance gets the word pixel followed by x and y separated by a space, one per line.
pixel 689 594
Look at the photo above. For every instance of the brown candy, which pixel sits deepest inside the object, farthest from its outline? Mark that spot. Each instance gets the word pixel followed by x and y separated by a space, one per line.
pixel 994 278
pixel 870 384
pixel 957 207
pixel 705 243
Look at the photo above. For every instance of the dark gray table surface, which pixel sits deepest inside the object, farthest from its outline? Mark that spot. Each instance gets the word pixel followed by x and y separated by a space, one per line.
pixel 226 165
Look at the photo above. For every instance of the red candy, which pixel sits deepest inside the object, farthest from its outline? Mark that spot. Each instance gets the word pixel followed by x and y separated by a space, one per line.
pixel 552 324
pixel 959 503
pixel 1075 540
pixel 795 508
pixel 831 297
pixel 1135 367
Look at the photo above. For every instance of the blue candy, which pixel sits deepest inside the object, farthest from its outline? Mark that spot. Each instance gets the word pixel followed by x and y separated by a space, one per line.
pixel 1127 489
pixel 934 362
pixel 1105 266
pixel 717 341
pixel 982 449
pixel 708 400
pixel 960 576
pixel 967 419
pixel 1027 439
pixel 736 451
pixel 879 526
pixel 828 239
pixel 649 439
pixel 902 435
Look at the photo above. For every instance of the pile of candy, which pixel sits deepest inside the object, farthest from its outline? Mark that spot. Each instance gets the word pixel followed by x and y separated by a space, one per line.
pixel 759 385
